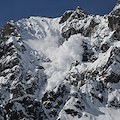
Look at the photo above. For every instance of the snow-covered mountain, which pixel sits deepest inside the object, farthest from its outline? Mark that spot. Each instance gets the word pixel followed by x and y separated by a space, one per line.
pixel 65 68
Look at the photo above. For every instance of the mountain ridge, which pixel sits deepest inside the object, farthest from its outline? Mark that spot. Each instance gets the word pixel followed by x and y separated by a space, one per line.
pixel 61 69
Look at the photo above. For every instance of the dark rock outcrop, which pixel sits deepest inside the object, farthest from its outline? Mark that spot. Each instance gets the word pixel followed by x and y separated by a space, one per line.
pixel 105 47
pixel 65 16
pixel 52 97
pixel 114 21
pixel 29 104
pixel 8 29
pixel 78 14
pixel 84 31
pixel 68 33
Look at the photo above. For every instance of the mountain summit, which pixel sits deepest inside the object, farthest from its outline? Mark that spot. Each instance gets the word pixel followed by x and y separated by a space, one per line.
pixel 66 68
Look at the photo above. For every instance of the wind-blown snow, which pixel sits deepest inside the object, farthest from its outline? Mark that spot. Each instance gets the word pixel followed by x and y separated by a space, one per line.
pixel 48 41
pixel 62 58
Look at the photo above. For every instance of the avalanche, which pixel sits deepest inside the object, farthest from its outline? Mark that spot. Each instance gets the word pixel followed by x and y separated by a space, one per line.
pixel 50 43
pixel 65 68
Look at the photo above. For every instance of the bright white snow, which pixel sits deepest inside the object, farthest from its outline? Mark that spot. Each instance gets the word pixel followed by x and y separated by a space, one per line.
pixel 49 42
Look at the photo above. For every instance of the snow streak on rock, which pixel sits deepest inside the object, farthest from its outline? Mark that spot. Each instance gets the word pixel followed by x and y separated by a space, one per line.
pixel 65 68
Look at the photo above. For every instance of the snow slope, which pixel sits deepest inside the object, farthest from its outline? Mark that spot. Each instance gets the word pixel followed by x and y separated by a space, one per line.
pixel 45 38
pixel 65 68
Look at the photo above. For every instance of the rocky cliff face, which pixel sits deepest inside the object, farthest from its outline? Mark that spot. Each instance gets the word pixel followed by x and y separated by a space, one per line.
pixel 61 69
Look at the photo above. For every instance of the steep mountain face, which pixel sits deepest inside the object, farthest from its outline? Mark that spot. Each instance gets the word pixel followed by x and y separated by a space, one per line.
pixel 65 68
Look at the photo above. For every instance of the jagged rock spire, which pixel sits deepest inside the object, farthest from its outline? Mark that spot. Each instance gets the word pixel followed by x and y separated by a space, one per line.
pixel 116 9
pixel 78 13
pixel 114 17
pixel 118 2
